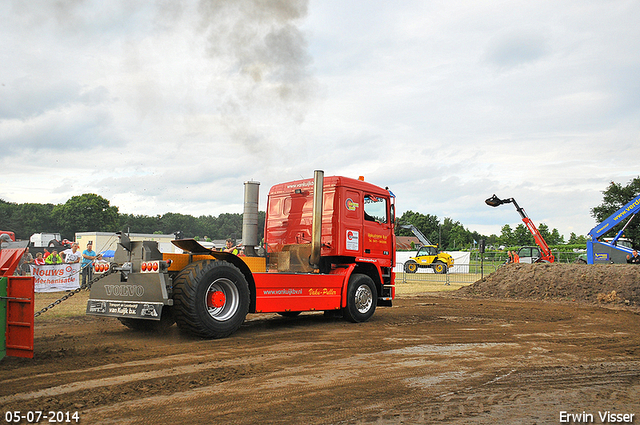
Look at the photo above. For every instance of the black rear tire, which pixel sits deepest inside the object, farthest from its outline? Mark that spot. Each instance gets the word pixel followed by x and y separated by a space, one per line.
pixel 361 298
pixel 211 299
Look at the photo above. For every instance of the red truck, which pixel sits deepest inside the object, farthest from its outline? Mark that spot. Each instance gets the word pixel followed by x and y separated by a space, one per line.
pixel 329 246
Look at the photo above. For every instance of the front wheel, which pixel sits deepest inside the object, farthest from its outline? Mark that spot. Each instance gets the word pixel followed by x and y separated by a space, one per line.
pixel 211 298
pixel 440 267
pixel 361 298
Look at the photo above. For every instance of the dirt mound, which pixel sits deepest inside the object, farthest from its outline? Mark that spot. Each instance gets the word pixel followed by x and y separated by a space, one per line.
pixel 601 283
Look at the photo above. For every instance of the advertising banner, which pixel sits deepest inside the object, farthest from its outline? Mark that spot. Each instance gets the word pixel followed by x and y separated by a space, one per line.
pixel 56 277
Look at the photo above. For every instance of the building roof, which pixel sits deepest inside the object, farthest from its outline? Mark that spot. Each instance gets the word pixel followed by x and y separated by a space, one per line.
pixel 403 243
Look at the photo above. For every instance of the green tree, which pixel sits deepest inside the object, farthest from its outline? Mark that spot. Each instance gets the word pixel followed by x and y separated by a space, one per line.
pixel 173 222
pixel 428 224
pixel 556 238
pixel 522 236
pixel 615 197
pixel 139 223
pixel 85 213
pixel 574 239
pixel 545 233
pixel 507 237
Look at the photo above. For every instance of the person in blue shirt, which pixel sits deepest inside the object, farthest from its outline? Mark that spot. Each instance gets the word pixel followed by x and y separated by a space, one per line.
pixel 88 255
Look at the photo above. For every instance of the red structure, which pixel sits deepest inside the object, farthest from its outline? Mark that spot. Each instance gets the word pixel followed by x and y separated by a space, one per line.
pixel 16 307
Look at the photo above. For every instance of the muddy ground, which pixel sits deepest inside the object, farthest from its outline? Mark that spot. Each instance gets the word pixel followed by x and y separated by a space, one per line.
pixel 483 355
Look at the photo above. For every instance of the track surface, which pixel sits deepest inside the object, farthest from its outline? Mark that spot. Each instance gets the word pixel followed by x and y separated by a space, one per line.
pixel 429 359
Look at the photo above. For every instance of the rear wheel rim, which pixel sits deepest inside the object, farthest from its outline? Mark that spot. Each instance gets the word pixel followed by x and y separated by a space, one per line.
pixel 363 299
pixel 222 299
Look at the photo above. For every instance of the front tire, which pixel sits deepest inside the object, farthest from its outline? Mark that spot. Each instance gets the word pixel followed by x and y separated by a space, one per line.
pixel 211 299
pixel 440 267
pixel 361 298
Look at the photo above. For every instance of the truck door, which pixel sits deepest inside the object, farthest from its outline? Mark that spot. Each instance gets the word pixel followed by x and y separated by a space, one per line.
pixel 377 238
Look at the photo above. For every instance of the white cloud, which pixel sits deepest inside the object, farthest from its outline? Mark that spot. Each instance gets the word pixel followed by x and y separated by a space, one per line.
pixel 170 106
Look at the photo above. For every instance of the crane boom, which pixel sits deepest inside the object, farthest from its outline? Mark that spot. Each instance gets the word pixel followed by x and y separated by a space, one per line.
pixel 629 210
pixel 601 251
pixel 421 237
pixel 494 201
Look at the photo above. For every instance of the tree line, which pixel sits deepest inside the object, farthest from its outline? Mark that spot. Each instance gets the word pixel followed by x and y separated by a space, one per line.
pixel 90 212
pixel 93 213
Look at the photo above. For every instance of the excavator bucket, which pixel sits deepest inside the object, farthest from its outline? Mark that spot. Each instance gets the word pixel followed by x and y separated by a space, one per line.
pixel 494 201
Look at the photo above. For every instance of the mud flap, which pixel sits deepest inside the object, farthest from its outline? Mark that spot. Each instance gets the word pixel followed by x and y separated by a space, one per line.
pixel 125 309
pixel 16 316
pixel 141 296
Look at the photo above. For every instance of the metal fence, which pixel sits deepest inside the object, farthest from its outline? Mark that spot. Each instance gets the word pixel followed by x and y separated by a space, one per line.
pixel 460 274
pixel 501 256
pixel 466 274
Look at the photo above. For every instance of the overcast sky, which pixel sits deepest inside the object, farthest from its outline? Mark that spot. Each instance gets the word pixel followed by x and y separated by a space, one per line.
pixel 169 106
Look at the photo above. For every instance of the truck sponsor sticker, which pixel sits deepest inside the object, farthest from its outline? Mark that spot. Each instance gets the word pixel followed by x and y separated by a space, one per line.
pixel 286 291
pixel 375 238
pixel 353 240
pixel 351 204
pixel 323 291
pixel 146 310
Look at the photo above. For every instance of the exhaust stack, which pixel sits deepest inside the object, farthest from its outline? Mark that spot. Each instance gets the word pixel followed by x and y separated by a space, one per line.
pixel 250 218
pixel 316 226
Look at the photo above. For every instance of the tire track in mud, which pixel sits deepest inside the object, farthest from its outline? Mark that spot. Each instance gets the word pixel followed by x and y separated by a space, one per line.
pixel 296 384
pixel 417 364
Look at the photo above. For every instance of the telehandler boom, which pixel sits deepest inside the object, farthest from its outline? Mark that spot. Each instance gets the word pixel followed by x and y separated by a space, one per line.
pixel 545 252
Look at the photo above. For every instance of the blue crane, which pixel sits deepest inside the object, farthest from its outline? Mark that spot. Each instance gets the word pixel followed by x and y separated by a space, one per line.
pixel 601 251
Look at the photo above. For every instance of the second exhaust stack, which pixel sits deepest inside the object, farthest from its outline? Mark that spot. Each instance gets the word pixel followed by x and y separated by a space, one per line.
pixel 316 226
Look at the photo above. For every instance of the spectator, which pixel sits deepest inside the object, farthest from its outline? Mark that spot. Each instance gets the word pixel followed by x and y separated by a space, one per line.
pixel 73 254
pixel 231 247
pixel 88 255
pixel 53 258
pixel 25 262
pixel 635 259
pixel 39 261
pixel 4 238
